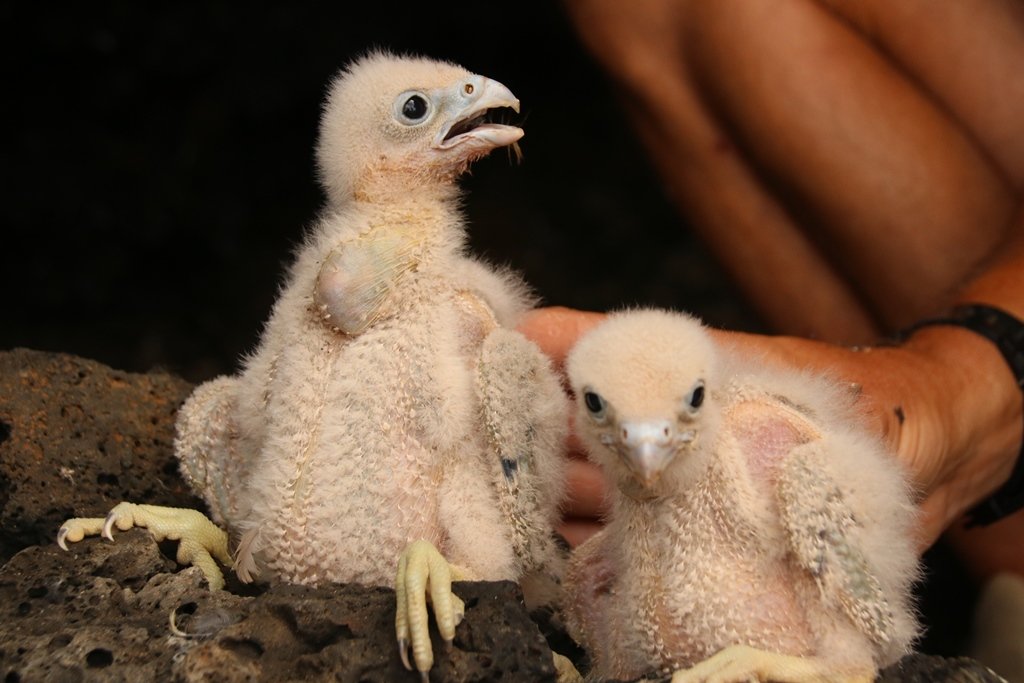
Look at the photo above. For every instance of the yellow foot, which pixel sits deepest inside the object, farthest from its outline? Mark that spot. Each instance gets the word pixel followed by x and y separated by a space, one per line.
pixel 565 672
pixel 199 539
pixel 423 572
pixel 742 664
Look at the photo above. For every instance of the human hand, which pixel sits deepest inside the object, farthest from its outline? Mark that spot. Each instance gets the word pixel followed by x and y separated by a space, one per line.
pixel 943 402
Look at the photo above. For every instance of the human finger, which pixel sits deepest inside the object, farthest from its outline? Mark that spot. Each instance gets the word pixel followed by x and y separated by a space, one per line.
pixel 576 530
pixel 587 490
pixel 555 329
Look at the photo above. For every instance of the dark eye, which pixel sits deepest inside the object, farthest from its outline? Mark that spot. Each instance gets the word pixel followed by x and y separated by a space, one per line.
pixel 594 403
pixel 415 108
pixel 696 397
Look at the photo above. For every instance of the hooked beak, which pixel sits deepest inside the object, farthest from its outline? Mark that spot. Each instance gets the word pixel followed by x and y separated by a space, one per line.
pixel 470 127
pixel 649 447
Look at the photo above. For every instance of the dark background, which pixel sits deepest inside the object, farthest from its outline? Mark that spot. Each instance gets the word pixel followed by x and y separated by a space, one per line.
pixel 157 170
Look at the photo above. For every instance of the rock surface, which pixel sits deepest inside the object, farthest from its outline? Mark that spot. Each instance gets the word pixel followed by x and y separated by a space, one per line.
pixel 103 611
pixel 77 437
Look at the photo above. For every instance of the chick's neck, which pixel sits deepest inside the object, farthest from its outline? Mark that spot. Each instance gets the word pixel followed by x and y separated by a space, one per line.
pixel 390 181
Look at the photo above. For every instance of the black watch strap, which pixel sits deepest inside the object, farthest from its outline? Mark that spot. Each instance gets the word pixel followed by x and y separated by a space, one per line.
pixel 1007 333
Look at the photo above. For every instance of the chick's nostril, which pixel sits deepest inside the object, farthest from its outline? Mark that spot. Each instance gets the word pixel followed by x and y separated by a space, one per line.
pixel 625 434
pixel 468 88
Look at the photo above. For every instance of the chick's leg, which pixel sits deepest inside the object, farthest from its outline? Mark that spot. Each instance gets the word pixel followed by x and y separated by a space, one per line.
pixel 424 573
pixel 741 663
pixel 199 539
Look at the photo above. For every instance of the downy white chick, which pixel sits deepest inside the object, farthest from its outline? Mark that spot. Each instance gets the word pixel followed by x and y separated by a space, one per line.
pixel 389 400
pixel 756 531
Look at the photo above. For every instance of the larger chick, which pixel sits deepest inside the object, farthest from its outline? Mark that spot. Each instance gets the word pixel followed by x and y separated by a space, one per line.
pixel 388 399
pixel 756 532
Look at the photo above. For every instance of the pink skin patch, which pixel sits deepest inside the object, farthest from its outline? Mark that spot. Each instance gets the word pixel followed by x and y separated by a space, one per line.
pixel 767 432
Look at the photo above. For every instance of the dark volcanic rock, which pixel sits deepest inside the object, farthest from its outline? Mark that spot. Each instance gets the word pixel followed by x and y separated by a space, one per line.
pixel 99 612
pixel 76 438
pixel 103 611
pixel 346 633
pixel 920 668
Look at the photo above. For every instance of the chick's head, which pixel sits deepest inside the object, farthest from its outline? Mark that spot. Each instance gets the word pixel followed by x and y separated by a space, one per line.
pixel 393 125
pixel 645 385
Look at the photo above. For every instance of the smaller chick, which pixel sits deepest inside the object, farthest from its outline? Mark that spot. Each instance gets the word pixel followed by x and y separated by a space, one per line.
pixel 756 531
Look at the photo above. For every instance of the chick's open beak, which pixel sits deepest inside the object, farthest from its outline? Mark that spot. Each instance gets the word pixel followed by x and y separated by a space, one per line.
pixel 648 448
pixel 478 99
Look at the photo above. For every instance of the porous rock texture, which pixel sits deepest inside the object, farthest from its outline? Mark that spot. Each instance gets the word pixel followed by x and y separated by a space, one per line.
pixel 77 437
pixel 103 611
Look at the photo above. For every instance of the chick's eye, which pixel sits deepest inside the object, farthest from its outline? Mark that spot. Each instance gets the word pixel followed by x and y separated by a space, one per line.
pixel 696 397
pixel 415 108
pixel 594 403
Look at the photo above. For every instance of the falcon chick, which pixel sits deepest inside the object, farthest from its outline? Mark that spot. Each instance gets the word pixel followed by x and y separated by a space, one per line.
pixel 388 402
pixel 755 533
